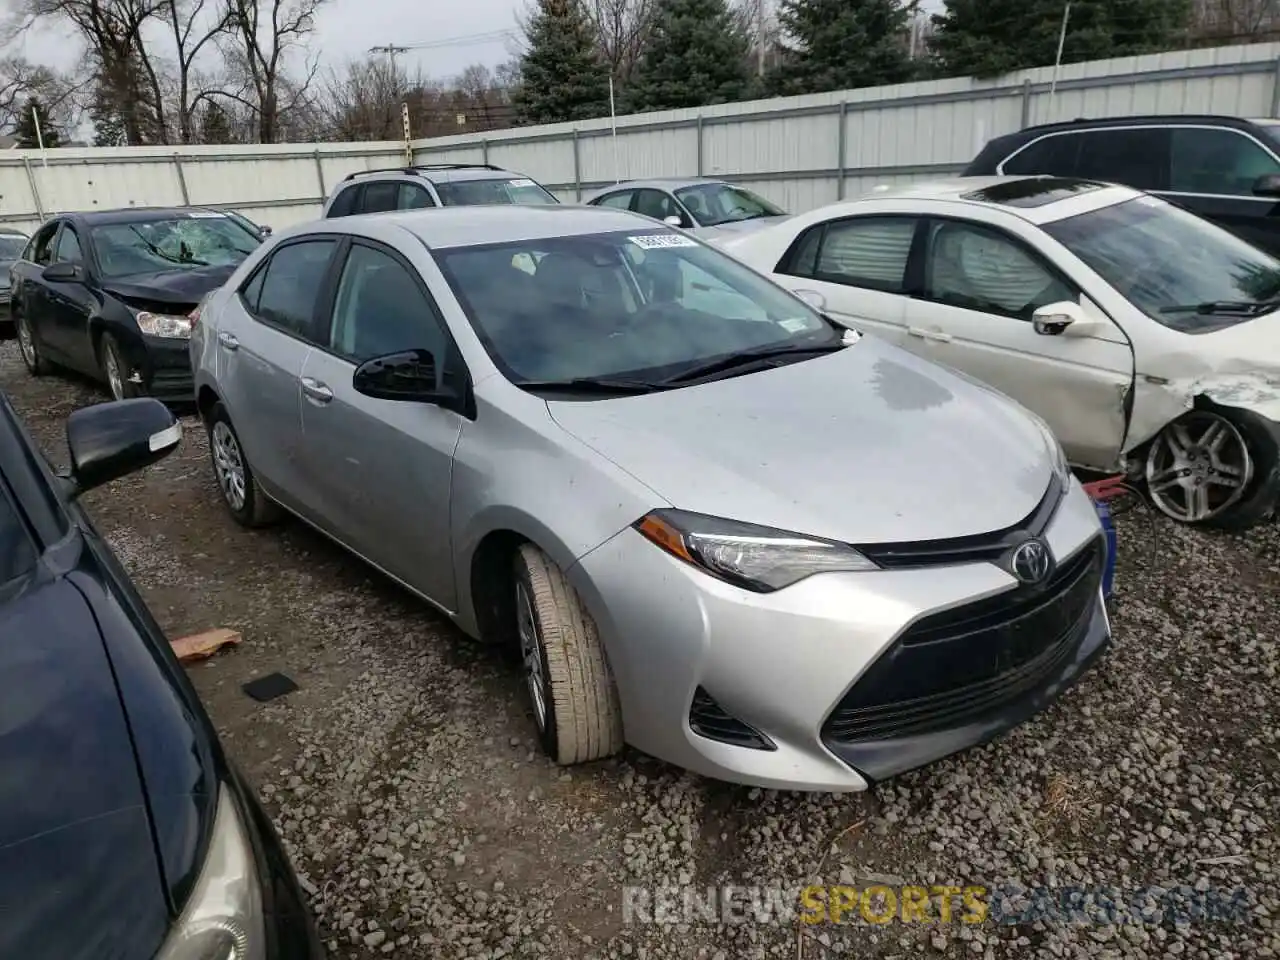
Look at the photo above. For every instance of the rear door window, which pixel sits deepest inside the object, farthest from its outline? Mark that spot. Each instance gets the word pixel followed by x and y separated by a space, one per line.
pixel 619 201
pixel 41 250
pixel 379 197
pixel 1054 155
pixel 292 285
pixel 411 196
pixel 344 204
pixel 1136 157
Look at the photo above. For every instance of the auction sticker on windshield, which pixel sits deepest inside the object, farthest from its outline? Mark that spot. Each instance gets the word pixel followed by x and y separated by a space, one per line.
pixel 207 215
pixel 661 241
pixel 522 183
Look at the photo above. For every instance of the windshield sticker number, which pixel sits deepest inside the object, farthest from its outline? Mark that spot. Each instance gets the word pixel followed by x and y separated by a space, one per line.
pixel 794 324
pixel 207 215
pixel 522 183
pixel 661 241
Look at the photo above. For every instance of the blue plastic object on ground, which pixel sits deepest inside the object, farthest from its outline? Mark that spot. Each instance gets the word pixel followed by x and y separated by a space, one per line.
pixel 1109 569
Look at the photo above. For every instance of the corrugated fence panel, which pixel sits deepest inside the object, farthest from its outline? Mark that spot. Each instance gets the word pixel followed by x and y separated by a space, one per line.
pixel 789 149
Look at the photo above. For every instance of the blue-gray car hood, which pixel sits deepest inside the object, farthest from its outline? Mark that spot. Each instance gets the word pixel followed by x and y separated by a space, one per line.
pixel 866 445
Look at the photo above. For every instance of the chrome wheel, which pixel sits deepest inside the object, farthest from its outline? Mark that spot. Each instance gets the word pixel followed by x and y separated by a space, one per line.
pixel 26 342
pixel 531 654
pixel 228 464
pixel 111 367
pixel 1198 468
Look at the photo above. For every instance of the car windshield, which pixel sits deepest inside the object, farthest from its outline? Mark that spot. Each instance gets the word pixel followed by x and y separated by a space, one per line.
pixel 715 203
pixel 470 193
pixel 1166 260
pixel 182 243
pixel 639 305
pixel 11 247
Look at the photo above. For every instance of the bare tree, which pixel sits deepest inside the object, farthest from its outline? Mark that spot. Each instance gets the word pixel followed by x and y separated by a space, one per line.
pixel 265 31
pixel 21 80
pixel 194 25
pixel 622 27
pixel 1234 21
pixel 362 100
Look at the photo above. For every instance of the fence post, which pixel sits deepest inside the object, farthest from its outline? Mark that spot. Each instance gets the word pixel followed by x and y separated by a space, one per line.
pixel 1026 102
pixel 577 168
pixel 842 145
pixel 1275 91
pixel 182 180
pixel 484 152
pixel 35 190
pixel 699 144
pixel 320 176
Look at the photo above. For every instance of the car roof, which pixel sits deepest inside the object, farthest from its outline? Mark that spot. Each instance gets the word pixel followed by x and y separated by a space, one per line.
pixel 433 173
pixel 1038 199
pixel 136 214
pixel 1181 119
pixel 463 226
pixel 660 183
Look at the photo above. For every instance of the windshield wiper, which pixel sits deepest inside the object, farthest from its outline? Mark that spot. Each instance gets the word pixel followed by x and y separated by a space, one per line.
pixel 166 256
pixel 1244 307
pixel 743 358
pixel 592 385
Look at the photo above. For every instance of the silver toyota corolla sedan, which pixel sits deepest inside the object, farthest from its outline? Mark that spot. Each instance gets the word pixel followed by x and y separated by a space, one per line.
pixel 719 527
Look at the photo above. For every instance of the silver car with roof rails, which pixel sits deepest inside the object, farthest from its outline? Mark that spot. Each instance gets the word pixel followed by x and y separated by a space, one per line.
pixel 426 185
pixel 718 526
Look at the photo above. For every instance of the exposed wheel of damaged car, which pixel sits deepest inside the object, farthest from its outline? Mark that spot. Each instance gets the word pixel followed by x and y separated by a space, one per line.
pixel 1215 467
pixel 704 514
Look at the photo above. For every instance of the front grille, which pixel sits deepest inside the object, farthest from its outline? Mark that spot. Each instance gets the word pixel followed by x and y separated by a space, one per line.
pixel 708 719
pixel 988 547
pixel 957 666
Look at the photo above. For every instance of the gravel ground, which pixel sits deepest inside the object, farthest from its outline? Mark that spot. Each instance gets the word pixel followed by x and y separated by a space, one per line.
pixel 405 780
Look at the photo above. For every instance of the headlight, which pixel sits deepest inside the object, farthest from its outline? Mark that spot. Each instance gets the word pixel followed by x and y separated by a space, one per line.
pixel 1061 468
pixel 755 558
pixel 164 325
pixel 223 916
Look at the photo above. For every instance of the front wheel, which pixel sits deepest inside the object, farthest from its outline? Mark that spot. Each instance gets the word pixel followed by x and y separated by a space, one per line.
pixel 575 702
pixel 117 372
pixel 1215 468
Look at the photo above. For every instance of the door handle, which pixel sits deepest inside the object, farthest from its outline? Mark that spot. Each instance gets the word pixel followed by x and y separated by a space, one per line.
pixel 228 341
pixel 315 390
pixel 924 334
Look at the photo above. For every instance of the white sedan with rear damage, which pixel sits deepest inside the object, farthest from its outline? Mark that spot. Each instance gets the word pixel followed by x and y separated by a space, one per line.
pixel 1148 338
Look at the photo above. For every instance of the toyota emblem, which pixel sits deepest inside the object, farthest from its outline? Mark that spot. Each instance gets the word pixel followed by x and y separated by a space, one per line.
pixel 1031 561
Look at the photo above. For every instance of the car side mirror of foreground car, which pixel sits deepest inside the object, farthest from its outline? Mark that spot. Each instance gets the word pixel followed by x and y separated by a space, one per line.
pixel 673 221
pixel 1267 185
pixel 1065 319
pixel 109 440
pixel 63 272
pixel 406 375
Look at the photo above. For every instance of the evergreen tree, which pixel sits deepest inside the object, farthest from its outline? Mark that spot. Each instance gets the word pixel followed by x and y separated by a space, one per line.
pixel 841 45
pixel 215 125
pixel 562 74
pixel 108 124
pixel 25 128
pixel 695 55
pixel 986 38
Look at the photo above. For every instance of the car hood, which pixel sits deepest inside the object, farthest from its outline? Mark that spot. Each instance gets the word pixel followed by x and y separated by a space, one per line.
pixel 867 445
pixel 170 286
pixel 79 875
pixel 723 231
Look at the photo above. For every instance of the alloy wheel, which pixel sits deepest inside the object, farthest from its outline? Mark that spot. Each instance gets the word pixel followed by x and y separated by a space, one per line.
pixel 26 342
pixel 111 366
pixel 228 464
pixel 1198 467
pixel 531 654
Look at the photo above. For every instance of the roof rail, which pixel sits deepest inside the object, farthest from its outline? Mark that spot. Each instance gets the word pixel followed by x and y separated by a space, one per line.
pixel 417 167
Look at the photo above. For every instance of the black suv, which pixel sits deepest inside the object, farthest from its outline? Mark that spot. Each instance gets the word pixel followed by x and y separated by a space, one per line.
pixel 1224 168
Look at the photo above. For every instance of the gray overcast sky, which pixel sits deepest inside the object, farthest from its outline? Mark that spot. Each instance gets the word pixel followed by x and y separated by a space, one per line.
pixel 346 29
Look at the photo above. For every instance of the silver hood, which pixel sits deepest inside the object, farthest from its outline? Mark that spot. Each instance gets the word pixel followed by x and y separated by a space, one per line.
pixel 866 445
pixel 736 228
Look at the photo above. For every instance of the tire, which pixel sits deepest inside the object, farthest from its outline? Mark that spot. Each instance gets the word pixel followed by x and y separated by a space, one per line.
pixel 1257 501
pixel 579 718
pixel 116 370
pixel 244 499
pixel 29 346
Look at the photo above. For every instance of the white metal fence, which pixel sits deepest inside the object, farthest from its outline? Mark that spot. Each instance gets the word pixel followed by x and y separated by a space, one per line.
pixel 800 151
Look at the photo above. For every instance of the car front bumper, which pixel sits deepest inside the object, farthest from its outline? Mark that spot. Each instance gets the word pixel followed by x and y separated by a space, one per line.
pixel 847 678
pixel 162 369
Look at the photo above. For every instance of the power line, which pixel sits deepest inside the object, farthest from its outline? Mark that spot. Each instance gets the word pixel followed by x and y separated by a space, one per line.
pixel 466 40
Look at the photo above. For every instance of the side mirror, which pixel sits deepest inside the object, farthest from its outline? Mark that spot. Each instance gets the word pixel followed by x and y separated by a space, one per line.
pixel 673 221
pixel 63 271
pixel 407 375
pixel 1064 319
pixel 1268 185
pixel 109 440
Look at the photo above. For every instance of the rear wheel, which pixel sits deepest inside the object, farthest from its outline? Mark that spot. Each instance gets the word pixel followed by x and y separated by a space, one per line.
pixel 575 703
pixel 249 506
pixel 29 346
pixel 1215 468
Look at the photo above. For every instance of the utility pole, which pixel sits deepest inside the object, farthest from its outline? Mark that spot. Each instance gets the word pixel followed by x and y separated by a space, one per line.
pixel 392 51
pixel 760 37
pixel 1057 62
